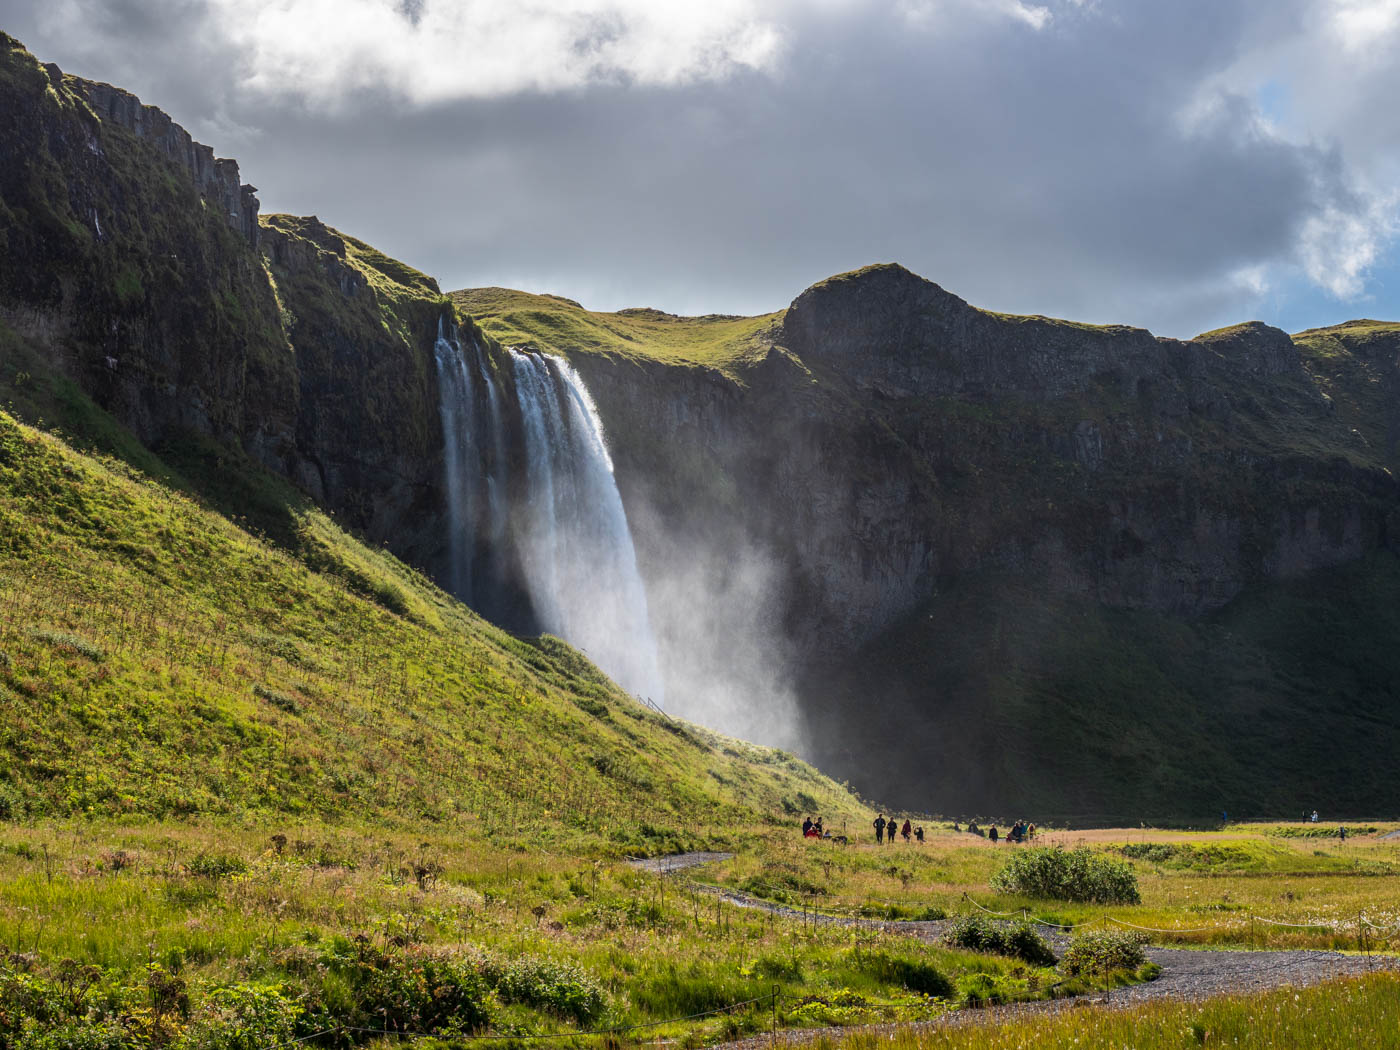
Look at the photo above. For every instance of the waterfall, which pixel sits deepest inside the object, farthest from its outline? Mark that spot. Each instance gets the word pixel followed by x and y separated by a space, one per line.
pixel 462 460
pixel 553 531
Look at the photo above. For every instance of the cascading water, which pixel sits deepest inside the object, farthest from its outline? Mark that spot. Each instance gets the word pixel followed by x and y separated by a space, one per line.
pixel 554 532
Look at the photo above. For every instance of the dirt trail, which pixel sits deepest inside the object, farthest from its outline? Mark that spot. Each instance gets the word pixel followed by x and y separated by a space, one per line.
pixel 1188 975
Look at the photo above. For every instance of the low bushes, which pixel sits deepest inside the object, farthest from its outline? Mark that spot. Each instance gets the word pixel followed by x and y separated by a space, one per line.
pixel 1093 954
pixel 1018 940
pixel 1052 873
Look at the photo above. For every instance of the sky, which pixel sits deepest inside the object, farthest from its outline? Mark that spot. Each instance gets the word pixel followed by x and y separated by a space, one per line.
pixel 1174 165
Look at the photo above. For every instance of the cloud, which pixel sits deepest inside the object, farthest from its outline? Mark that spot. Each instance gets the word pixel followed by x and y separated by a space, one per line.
pixel 1173 166
pixel 430 51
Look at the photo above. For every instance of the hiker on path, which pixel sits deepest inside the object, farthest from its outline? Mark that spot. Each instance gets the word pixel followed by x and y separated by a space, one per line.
pixel 880 828
pixel 907 830
pixel 993 834
pixel 1342 833
pixel 919 833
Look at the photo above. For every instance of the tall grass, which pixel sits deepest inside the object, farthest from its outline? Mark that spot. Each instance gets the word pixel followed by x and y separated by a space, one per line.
pixel 1338 1015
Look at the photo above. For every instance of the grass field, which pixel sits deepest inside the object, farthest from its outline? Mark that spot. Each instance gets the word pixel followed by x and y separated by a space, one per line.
pixel 557 325
pixel 1198 888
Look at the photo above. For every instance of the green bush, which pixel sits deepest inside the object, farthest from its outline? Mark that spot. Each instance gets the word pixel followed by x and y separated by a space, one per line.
pixel 1052 873
pixel 562 989
pixel 1018 940
pixel 216 865
pixel 415 989
pixel 1103 951
pixel 242 1017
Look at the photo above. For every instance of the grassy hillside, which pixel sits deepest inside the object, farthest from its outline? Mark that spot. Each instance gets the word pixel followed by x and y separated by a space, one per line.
pixel 159 659
pixel 558 325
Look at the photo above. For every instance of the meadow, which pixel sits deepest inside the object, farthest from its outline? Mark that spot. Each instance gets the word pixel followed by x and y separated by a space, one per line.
pixel 1223 888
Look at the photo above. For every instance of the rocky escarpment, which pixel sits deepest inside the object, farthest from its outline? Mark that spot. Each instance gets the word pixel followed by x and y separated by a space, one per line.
pixel 216 178
pixel 928 488
pixel 135 263
pixel 895 436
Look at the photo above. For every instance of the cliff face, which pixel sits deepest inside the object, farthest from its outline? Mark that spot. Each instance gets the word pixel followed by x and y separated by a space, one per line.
pixel 894 436
pixel 933 490
pixel 134 262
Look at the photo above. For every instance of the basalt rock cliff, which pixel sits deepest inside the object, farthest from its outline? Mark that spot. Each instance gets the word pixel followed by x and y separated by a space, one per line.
pixel 133 263
pixel 1020 562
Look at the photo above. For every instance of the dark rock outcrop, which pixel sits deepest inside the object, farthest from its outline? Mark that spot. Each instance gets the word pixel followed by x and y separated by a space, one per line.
pixel 136 261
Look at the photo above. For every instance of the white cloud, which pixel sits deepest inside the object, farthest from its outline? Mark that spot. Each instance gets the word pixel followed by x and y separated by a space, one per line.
pixel 1361 23
pixel 1338 247
pixel 931 12
pixel 430 51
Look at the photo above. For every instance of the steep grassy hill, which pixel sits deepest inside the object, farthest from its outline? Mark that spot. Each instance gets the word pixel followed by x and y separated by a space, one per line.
pixel 157 659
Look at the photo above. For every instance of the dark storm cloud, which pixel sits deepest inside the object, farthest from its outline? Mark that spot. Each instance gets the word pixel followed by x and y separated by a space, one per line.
pixel 1108 165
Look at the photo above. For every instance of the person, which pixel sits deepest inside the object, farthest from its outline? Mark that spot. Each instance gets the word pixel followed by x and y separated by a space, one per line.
pixel 1314 816
pixel 993 833
pixel 817 827
pixel 880 828
pixel 907 830
pixel 919 833
pixel 1342 833
pixel 972 828
pixel 955 826
pixel 1030 832
pixel 806 826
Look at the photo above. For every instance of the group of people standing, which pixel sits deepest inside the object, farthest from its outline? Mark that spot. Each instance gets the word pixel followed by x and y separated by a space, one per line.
pixel 1021 831
pixel 888 829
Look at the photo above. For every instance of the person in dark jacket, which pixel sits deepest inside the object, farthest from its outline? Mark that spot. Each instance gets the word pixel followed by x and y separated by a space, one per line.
pixel 907 830
pixel 880 828
pixel 993 833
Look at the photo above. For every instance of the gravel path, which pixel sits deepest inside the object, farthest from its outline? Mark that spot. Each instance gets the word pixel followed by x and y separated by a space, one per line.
pixel 1188 975
pixel 675 862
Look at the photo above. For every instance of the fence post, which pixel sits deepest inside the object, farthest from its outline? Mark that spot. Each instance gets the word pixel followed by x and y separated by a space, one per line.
pixel 775 1016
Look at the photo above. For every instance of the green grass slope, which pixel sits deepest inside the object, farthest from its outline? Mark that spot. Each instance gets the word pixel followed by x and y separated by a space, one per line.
pixel 157 659
pixel 559 325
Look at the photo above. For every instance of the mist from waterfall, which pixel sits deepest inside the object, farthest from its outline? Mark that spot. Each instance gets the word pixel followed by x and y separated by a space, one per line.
pixel 546 547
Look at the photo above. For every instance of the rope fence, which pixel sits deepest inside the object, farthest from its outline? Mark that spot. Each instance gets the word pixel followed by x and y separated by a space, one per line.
pixel 1336 925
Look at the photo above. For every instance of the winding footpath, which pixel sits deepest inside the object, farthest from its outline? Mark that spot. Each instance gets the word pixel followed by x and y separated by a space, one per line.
pixel 1188 975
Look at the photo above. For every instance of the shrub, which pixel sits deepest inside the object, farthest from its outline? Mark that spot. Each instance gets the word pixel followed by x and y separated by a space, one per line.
pixel 1019 940
pixel 1052 873
pixel 216 865
pixel 416 989
pixel 562 989
pixel 1103 951
pixel 242 1017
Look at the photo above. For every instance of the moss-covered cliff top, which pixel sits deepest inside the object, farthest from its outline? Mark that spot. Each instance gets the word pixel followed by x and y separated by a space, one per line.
pixel 560 325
